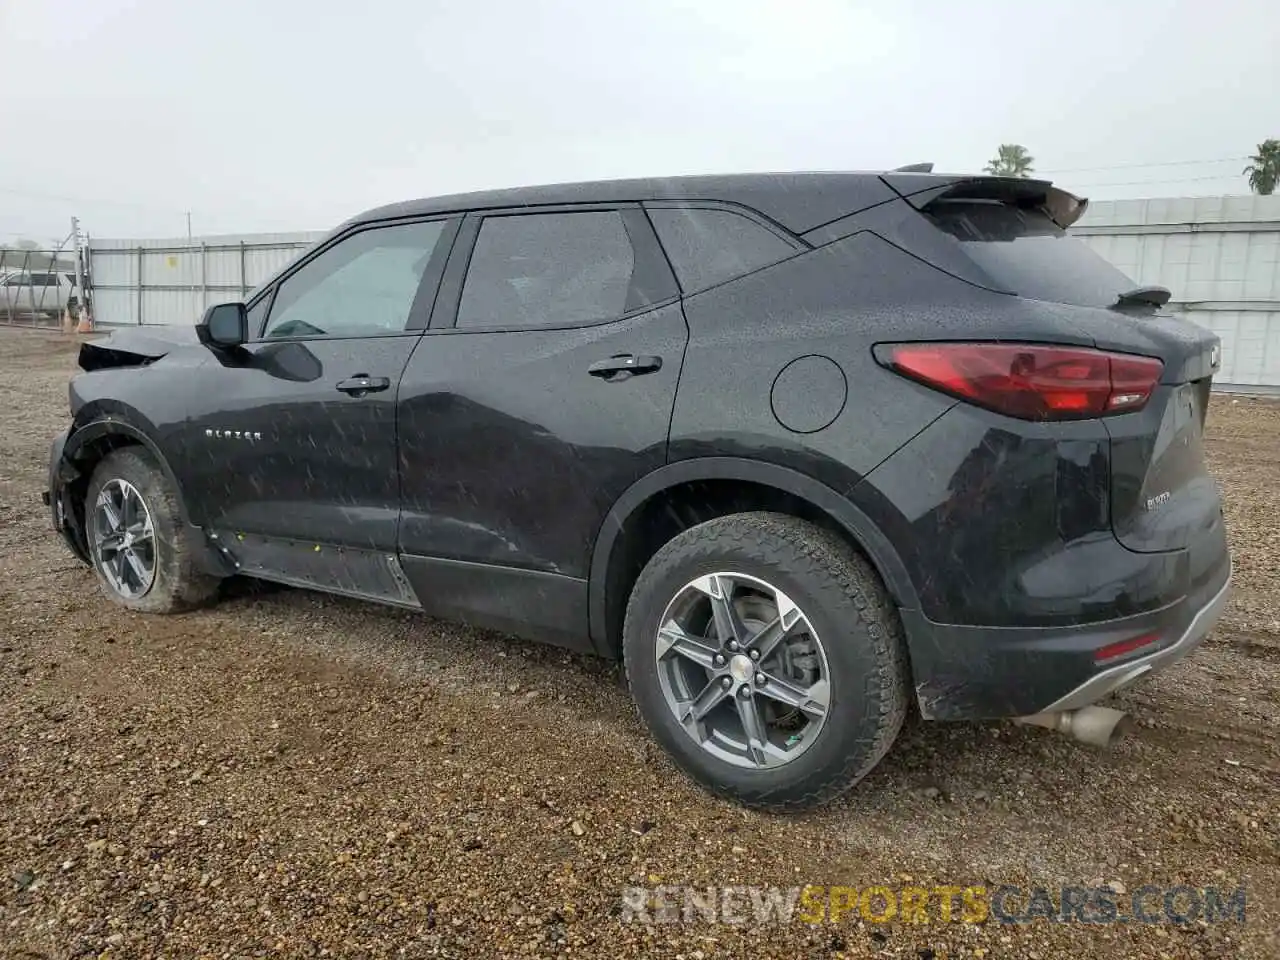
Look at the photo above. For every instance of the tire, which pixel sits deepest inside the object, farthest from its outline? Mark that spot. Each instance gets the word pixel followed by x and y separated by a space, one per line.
pixel 860 641
pixel 176 583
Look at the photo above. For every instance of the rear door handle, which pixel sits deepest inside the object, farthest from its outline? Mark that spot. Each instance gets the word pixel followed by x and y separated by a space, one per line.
pixel 362 383
pixel 624 365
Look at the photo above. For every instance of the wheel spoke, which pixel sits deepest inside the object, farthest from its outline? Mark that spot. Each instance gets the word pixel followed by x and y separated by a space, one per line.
pixel 117 567
pixel 136 566
pixel 789 615
pixel 753 729
pixel 145 532
pixel 704 702
pixel 719 590
pixel 109 511
pixel 812 700
pixel 673 639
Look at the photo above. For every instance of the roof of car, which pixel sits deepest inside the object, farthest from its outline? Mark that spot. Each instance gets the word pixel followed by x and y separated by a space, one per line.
pixel 797 201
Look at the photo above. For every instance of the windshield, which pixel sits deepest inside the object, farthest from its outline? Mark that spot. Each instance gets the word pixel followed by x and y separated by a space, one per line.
pixel 1025 252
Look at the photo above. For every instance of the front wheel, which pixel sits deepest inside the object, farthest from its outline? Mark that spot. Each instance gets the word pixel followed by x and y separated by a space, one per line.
pixel 764 654
pixel 136 537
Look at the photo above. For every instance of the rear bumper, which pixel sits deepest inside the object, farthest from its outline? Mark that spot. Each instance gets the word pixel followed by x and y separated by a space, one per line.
pixel 1120 676
pixel 965 673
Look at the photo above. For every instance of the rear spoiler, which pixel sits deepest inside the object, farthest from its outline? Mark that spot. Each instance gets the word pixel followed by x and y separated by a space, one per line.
pixel 922 189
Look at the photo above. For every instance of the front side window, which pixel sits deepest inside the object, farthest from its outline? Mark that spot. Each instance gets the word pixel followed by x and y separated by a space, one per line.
pixel 548 269
pixel 362 286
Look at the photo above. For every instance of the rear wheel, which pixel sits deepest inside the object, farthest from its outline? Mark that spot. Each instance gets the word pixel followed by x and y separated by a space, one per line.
pixel 765 656
pixel 136 537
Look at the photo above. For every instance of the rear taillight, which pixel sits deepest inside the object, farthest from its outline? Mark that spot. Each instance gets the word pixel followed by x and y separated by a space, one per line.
pixel 1029 381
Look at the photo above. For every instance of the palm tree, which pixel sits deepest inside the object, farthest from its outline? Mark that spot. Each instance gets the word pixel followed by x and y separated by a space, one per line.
pixel 1265 169
pixel 1012 160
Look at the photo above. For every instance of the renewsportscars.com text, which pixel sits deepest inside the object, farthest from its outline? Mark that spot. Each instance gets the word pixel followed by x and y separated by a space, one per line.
pixel 1006 903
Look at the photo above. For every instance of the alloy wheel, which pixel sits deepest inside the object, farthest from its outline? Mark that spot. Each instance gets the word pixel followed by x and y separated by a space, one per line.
pixel 742 670
pixel 124 540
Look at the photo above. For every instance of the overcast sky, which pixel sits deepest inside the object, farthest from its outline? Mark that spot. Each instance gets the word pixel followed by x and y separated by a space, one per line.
pixel 294 114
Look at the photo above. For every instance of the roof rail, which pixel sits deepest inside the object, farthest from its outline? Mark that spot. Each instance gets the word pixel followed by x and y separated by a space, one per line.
pixel 915 168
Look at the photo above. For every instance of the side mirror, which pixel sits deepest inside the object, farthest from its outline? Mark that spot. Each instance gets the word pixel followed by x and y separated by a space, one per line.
pixel 224 325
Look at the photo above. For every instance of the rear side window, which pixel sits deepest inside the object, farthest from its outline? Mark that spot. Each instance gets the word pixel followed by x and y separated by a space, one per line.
pixel 1025 252
pixel 707 246
pixel 543 270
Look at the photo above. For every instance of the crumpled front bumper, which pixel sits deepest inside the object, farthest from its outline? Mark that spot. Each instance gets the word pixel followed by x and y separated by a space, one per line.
pixel 57 497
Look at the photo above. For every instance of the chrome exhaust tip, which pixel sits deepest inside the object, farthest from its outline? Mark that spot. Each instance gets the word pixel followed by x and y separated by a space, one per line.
pixel 1096 726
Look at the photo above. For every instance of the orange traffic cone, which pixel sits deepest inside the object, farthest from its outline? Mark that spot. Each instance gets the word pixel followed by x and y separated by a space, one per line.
pixel 86 323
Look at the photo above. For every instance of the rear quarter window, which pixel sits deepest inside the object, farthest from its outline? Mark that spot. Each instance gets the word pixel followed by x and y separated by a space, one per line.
pixel 709 246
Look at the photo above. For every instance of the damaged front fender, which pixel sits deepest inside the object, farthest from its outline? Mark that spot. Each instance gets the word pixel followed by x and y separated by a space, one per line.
pixel 134 346
pixel 68 522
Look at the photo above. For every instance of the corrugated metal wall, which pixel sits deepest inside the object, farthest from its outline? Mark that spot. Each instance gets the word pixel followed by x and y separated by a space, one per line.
pixel 173 281
pixel 1221 258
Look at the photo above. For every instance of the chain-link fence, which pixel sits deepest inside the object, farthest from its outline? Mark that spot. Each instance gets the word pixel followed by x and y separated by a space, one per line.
pixel 38 287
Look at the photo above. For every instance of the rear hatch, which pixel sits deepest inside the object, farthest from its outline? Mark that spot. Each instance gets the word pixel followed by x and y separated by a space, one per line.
pixel 1014 233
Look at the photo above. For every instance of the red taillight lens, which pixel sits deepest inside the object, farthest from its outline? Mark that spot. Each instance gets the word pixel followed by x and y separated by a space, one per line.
pixel 1033 382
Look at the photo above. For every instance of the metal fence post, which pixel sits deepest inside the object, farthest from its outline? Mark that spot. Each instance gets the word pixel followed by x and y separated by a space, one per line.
pixel 8 307
pixel 204 278
pixel 88 276
pixel 139 286
pixel 244 277
pixel 79 291
pixel 26 269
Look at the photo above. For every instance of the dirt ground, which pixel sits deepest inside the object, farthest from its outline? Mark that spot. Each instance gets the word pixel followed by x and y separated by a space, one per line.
pixel 287 774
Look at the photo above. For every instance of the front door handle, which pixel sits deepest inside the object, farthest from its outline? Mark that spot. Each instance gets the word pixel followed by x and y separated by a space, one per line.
pixel 623 366
pixel 362 383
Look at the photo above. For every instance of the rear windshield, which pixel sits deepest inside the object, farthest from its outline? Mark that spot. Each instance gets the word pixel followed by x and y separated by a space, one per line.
pixel 1025 252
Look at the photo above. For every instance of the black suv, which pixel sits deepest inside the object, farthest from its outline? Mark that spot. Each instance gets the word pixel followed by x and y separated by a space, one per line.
pixel 800 449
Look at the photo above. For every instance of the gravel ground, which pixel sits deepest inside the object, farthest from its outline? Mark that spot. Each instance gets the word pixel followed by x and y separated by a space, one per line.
pixel 287 774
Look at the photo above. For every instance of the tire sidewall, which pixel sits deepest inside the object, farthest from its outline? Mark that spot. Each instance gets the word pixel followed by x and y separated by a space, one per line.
pixel 854 710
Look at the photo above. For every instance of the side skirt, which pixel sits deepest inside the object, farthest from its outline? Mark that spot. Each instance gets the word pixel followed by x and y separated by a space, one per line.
pixel 346 571
pixel 546 607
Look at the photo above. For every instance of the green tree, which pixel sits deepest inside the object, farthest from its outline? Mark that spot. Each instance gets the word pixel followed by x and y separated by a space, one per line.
pixel 1011 160
pixel 1265 170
